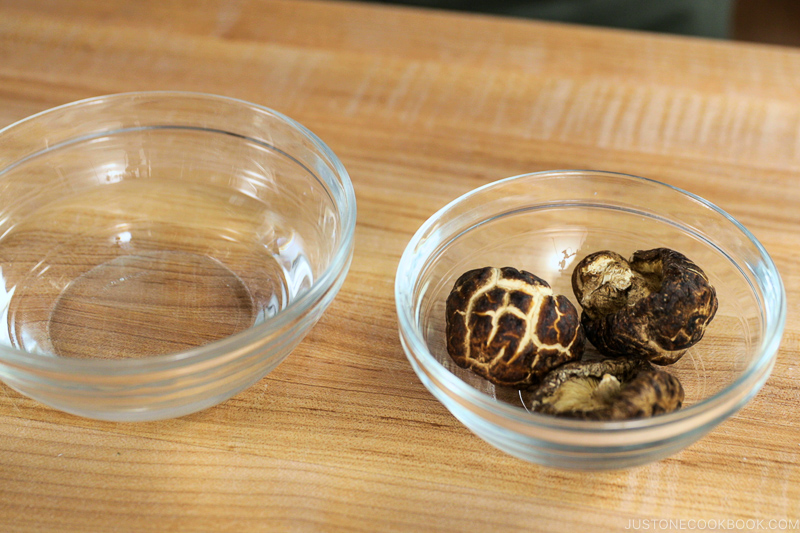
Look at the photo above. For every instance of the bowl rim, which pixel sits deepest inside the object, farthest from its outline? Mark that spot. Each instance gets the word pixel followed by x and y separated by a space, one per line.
pixel 226 348
pixel 414 342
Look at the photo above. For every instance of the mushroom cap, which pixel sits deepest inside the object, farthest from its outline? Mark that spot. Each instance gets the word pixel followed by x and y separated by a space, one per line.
pixel 508 326
pixel 611 389
pixel 654 306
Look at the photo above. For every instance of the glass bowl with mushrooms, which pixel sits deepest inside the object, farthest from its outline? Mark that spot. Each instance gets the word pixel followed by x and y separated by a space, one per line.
pixel 587 319
pixel 161 251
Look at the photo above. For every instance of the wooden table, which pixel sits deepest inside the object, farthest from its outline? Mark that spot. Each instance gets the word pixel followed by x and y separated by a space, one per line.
pixel 421 106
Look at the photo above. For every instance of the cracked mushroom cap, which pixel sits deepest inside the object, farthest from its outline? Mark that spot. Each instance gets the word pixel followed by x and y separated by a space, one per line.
pixel 612 389
pixel 508 326
pixel 654 306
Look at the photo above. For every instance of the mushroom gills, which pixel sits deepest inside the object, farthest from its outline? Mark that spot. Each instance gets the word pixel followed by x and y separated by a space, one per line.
pixel 653 306
pixel 585 394
pixel 609 389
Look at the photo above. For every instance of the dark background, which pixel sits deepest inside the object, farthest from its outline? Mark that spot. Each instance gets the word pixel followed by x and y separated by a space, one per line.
pixel 765 21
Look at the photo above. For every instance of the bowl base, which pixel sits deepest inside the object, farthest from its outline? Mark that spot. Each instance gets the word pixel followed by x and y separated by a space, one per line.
pixel 129 270
pixel 149 304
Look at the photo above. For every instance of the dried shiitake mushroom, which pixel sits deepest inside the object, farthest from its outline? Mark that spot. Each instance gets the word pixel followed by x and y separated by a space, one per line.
pixel 611 389
pixel 508 326
pixel 654 306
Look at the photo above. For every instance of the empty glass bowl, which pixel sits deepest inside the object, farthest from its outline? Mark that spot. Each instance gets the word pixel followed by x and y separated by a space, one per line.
pixel 546 223
pixel 161 251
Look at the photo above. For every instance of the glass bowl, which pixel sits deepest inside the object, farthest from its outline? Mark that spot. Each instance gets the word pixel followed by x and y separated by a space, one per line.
pixel 162 251
pixel 547 222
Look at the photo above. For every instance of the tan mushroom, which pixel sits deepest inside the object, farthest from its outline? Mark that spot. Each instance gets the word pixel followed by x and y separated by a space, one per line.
pixel 654 306
pixel 508 326
pixel 612 389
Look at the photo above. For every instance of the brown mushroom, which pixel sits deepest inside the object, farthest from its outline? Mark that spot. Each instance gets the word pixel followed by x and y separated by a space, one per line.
pixel 611 389
pixel 654 306
pixel 508 326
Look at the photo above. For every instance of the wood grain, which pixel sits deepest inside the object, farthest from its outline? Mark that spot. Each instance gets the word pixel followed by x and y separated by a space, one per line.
pixel 421 106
